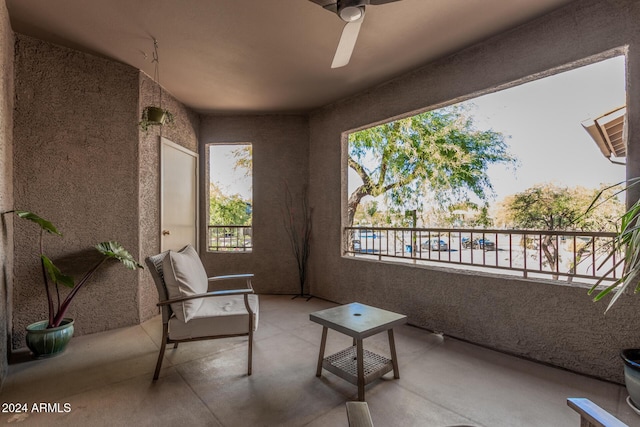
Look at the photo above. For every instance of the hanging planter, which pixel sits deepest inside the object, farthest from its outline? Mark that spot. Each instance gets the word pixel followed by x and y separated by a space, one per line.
pixel 152 115
pixel 155 115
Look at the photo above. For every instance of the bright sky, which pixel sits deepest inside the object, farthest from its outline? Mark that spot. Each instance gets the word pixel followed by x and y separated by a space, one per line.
pixel 543 119
pixel 223 174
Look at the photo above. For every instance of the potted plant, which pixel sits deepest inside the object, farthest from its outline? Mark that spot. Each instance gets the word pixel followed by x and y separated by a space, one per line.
pixel 626 242
pixel 50 337
pixel 155 116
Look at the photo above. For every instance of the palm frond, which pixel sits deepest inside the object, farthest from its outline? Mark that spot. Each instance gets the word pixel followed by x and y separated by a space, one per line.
pixel 627 241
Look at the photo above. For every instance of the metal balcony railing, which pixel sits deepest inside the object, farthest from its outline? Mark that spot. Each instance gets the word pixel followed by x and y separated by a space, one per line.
pixel 229 238
pixel 529 253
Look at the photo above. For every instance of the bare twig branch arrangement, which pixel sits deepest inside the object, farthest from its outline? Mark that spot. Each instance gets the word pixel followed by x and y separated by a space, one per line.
pixel 297 223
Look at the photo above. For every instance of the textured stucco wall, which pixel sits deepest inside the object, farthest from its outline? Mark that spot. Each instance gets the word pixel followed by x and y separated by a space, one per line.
pixel 6 183
pixel 183 131
pixel 76 164
pixel 280 155
pixel 554 324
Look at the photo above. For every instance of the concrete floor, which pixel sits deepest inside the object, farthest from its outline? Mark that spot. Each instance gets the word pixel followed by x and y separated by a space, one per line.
pixel 106 380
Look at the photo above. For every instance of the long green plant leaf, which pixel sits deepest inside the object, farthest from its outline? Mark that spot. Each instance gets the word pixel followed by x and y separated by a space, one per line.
pixel 55 275
pixel 43 223
pixel 627 241
pixel 115 250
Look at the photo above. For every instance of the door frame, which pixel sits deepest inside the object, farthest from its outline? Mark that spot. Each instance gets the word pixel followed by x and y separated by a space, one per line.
pixel 164 142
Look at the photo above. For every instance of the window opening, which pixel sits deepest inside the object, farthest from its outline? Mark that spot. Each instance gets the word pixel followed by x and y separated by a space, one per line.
pixel 230 197
pixel 499 181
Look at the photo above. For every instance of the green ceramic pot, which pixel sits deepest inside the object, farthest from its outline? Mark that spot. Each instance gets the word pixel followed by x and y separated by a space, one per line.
pixel 45 342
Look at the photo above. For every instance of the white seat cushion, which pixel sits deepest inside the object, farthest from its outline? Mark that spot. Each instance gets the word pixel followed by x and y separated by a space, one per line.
pixel 216 316
pixel 184 275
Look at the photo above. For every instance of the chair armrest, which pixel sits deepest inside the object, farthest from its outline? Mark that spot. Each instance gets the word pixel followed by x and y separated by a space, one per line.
pixel 231 276
pixel 207 295
pixel 593 415
pixel 358 414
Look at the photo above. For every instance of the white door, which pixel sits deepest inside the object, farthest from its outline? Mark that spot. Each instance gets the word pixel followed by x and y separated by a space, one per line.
pixel 178 196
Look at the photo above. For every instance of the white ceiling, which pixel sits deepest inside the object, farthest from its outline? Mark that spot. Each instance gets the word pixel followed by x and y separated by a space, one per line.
pixel 267 55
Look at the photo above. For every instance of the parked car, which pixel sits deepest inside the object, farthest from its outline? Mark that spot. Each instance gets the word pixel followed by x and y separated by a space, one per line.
pixel 368 249
pixel 485 244
pixel 435 245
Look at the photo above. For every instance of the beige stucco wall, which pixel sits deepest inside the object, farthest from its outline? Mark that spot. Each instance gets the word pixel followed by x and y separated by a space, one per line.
pixel 76 164
pixel 94 174
pixel 83 162
pixel 6 180
pixel 280 153
pixel 534 319
pixel 183 131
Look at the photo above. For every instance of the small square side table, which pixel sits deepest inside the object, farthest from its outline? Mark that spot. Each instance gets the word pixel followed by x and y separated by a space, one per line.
pixel 355 364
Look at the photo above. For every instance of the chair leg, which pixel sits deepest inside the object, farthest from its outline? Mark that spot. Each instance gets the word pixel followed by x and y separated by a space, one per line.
pixel 175 345
pixel 250 349
pixel 163 345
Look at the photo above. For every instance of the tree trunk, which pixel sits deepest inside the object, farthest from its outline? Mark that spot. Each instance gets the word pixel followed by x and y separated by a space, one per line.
pixel 551 253
pixel 354 201
pixel 578 259
pixel 352 205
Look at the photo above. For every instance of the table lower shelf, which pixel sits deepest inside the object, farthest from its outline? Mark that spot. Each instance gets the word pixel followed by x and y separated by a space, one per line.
pixel 344 365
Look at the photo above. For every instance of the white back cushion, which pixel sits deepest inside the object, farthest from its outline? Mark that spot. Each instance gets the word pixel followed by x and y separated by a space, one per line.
pixel 184 275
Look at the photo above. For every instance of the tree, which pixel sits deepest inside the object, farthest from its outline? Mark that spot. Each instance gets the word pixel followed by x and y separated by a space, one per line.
pixel 228 210
pixel 552 207
pixel 438 152
pixel 244 159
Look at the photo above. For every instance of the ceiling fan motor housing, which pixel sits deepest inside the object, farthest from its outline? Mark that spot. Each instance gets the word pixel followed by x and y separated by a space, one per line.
pixel 351 10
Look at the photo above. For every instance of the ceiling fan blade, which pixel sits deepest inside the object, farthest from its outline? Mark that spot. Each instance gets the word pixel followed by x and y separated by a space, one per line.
pixel 347 43
pixel 376 2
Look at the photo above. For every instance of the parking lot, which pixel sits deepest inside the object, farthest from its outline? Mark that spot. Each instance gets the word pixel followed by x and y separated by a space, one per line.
pixel 505 251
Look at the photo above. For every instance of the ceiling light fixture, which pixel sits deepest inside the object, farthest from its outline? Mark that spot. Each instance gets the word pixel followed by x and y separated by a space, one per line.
pixel 351 13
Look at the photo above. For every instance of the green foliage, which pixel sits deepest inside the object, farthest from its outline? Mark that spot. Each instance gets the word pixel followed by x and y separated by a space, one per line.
pixel 229 210
pixel 552 207
pixel 438 152
pixel 55 275
pixel 115 250
pixel 372 208
pixel 43 223
pixel 148 118
pixel 627 242
pixel 482 219
pixel 244 159
pixel 51 273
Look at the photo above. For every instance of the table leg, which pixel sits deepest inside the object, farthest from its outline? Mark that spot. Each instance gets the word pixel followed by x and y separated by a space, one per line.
pixel 394 357
pixel 323 342
pixel 360 366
